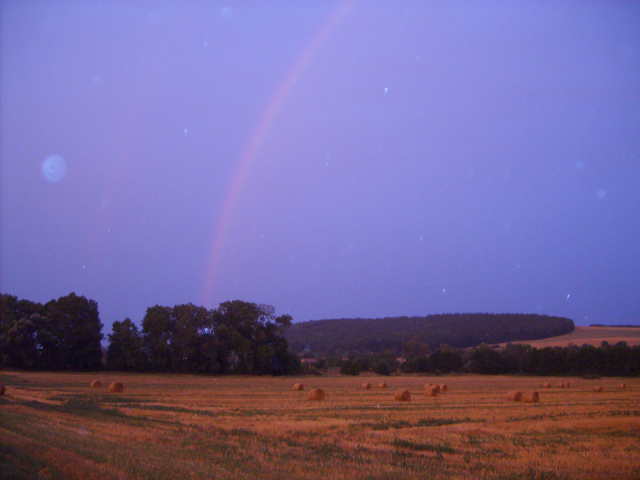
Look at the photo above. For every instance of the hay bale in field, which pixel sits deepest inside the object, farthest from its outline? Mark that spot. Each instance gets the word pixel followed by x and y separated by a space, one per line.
pixel 598 389
pixel 531 397
pixel 95 384
pixel 366 386
pixel 514 396
pixel 623 386
pixel 116 387
pixel 297 386
pixel 382 385
pixel 2 389
pixel 433 386
pixel 402 396
pixel 443 387
pixel 431 390
pixel 316 394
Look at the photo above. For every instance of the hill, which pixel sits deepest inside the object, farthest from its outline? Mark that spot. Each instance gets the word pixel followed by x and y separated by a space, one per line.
pixel 590 336
pixel 363 335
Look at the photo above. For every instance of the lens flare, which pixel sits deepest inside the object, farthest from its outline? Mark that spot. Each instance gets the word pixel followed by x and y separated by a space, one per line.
pixel 54 168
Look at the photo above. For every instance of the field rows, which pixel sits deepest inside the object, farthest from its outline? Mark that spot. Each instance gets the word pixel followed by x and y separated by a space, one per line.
pixel 52 425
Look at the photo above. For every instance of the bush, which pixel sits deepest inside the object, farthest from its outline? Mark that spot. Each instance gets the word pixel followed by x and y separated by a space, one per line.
pixel 383 368
pixel 350 368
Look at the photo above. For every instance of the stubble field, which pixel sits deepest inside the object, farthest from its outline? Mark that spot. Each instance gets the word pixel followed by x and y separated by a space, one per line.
pixel 590 336
pixel 53 425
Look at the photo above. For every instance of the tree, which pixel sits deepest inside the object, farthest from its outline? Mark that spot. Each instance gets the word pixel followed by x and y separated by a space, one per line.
pixel 483 359
pixel 383 367
pixel 18 327
pixel 190 325
pixel 445 360
pixel 157 328
pixel 350 367
pixel 69 334
pixel 251 338
pixel 125 347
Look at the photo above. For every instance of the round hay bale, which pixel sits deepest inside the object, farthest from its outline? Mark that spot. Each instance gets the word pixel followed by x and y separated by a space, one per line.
pixel 366 386
pixel 382 385
pixel 316 394
pixel 116 387
pixel 433 386
pixel 402 396
pixel 2 389
pixel 297 386
pixel 623 386
pixel 514 396
pixel 598 389
pixel 431 391
pixel 443 387
pixel 95 384
pixel 531 397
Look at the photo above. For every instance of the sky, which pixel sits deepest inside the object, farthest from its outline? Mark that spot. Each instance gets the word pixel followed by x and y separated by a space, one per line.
pixel 337 158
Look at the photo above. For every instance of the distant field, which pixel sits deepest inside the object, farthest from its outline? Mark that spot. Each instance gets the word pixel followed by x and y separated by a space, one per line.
pixel 52 425
pixel 590 335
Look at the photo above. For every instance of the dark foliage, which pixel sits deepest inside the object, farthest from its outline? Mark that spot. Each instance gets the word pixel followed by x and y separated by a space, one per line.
pixel 125 347
pixel 350 367
pixel 367 335
pixel 610 360
pixel 65 334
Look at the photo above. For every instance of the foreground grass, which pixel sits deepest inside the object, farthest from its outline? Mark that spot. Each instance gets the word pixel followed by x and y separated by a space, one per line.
pixel 52 425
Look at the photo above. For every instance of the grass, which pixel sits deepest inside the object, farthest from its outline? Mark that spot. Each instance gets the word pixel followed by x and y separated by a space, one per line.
pixel 52 425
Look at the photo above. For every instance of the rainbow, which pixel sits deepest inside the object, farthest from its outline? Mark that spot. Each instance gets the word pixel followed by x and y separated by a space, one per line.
pixel 256 139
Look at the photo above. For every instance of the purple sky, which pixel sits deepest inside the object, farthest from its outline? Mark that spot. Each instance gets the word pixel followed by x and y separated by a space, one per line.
pixel 440 156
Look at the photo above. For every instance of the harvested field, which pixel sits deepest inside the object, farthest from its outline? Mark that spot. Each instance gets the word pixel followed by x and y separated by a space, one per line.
pixel 54 425
pixel 590 336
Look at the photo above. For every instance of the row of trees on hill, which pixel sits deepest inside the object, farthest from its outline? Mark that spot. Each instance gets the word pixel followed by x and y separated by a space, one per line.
pixel 615 360
pixel 375 335
pixel 66 334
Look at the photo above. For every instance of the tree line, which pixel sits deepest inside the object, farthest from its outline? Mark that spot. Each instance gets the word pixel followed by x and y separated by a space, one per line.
pixel 248 338
pixel 66 334
pixel 375 335
pixel 619 359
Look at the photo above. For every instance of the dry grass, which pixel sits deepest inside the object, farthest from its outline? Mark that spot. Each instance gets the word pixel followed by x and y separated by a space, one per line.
pixel 589 335
pixel 53 425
